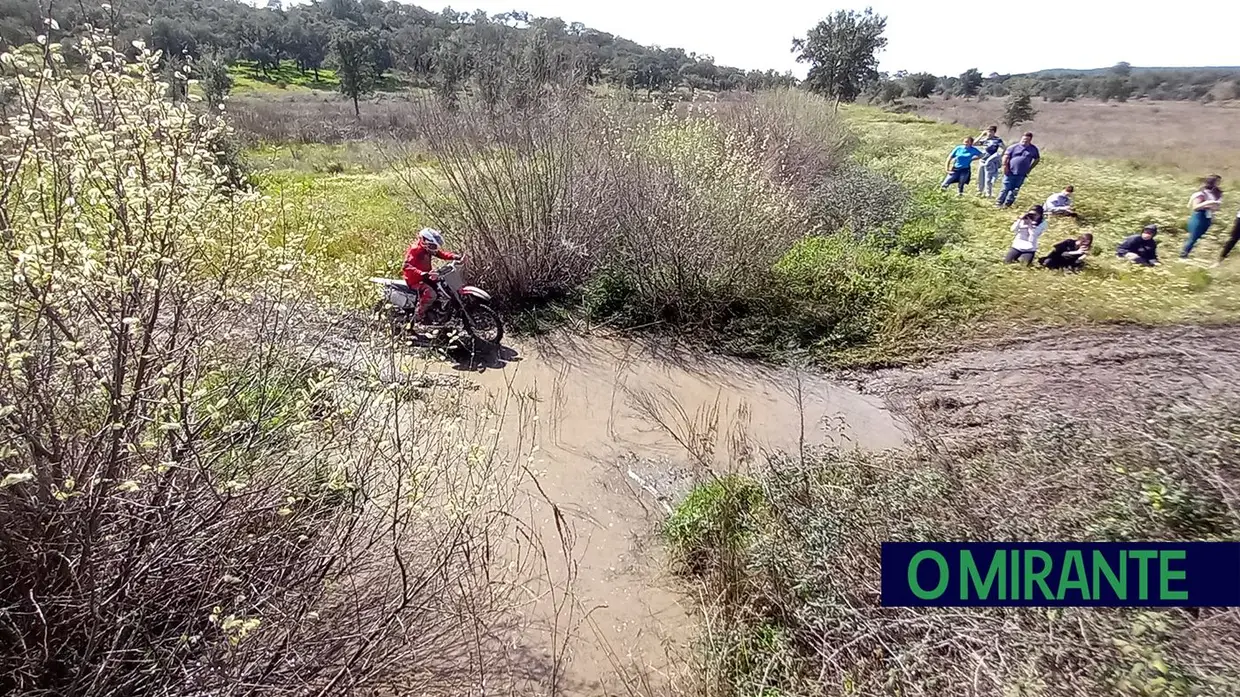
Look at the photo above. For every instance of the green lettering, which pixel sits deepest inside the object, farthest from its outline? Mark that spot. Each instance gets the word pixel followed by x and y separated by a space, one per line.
pixel 1166 575
pixel 912 574
pixel 969 575
pixel 1073 562
pixel 1118 584
pixel 1143 579
pixel 1039 576
pixel 1016 574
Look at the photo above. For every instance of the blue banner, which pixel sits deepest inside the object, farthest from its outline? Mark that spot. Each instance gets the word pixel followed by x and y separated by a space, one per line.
pixel 1061 574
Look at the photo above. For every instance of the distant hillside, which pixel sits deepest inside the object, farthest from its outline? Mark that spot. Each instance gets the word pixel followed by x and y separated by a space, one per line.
pixel 1119 82
pixel 1092 72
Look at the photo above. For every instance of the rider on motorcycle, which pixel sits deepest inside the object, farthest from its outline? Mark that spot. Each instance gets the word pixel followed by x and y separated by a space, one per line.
pixel 417 270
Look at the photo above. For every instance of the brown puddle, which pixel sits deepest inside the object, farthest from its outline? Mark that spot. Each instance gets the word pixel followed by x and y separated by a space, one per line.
pixel 598 400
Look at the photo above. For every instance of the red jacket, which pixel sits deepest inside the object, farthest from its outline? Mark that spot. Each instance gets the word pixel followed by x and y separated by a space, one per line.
pixel 418 263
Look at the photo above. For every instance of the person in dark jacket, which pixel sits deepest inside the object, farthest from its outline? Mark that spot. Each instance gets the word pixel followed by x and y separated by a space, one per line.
pixel 1235 237
pixel 1140 249
pixel 1069 254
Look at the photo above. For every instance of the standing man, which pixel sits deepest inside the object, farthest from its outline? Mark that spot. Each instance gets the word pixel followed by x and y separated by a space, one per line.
pixel 993 147
pixel 960 165
pixel 1018 162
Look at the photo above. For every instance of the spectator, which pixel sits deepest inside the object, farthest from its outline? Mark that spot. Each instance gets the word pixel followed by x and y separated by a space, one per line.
pixel 1069 254
pixel 1018 161
pixel 1235 237
pixel 1203 204
pixel 1028 228
pixel 1141 249
pixel 988 169
pixel 1061 203
pixel 960 165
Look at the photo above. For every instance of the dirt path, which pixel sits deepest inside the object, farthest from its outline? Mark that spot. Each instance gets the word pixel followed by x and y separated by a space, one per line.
pixel 615 423
pixel 965 397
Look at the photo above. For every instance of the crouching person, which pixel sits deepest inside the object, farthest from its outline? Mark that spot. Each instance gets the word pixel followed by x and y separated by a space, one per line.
pixel 1069 254
pixel 1140 249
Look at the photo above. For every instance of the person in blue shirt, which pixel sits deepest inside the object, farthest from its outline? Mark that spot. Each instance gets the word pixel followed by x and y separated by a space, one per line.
pixel 1018 162
pixel 988 169
pixel 960 165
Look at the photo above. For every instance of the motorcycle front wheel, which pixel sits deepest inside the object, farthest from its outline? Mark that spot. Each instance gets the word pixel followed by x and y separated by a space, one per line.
pixel 484 324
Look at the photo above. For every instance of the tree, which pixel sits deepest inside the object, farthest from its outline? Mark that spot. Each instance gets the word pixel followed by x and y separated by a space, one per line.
pixel 1122 69
pixel 920 85
pixel 1018 109
pixel 1117 88
pixel 888 91
pixel 970 83
pixel 355 69
pixel 842 53
pixel 214 80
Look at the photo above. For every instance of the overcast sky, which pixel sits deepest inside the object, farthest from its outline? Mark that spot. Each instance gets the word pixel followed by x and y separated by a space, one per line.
pixel 943 38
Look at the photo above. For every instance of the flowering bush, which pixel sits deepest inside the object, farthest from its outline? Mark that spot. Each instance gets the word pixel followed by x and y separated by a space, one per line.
pixel 189 503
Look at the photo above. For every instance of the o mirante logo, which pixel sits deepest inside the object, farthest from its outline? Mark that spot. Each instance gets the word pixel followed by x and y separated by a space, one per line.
pixel 1194 574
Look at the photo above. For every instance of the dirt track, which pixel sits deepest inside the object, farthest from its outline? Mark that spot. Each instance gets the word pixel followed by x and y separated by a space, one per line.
pixel 1076 372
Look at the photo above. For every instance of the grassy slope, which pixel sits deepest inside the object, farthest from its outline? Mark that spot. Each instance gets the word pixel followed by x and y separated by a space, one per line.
pixel 365 219
pixel 1115 199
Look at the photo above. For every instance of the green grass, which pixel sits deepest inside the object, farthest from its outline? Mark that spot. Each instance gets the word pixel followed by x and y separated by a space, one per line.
pixel 1115 198
pixel 354 157
pixel 248 78
pixel 357 224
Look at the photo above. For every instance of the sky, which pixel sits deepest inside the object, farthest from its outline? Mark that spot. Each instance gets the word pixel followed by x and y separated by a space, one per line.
pixel 922 36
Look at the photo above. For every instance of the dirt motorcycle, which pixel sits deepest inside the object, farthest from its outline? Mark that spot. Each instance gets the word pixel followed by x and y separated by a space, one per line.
pixel 455 304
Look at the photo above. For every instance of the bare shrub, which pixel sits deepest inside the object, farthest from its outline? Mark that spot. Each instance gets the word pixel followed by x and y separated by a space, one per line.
pixel 193 501
pixel 313 117
pixel 656 216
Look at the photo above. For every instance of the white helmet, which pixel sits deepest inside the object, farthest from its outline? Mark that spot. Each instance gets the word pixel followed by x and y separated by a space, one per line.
pixel 431 238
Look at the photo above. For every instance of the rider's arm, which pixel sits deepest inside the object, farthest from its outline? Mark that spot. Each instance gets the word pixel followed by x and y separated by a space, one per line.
pixel 446 255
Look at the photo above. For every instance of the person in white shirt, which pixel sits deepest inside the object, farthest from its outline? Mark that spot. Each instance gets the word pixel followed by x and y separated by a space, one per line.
pixel 1203 205
pixel 1028 228
pixel 1061 203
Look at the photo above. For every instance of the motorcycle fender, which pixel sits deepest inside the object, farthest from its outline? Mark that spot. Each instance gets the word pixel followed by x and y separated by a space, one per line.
pixel 476 292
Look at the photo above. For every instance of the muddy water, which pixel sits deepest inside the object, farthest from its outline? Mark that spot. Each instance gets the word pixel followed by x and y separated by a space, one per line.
pixel 590 405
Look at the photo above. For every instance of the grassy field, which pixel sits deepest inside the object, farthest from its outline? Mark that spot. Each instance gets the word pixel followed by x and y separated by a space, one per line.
pixel 1115 199
pixel 947 285
pixel 1191 138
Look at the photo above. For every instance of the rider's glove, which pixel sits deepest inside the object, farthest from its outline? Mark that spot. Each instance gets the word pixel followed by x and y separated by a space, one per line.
pixel 431 277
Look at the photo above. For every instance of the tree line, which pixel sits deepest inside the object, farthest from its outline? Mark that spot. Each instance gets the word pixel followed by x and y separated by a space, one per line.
pixel 1120 83
pixel 842 49
pixel 365 41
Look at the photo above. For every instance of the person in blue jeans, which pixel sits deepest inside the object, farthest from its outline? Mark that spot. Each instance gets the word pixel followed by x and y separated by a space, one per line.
pixel 960 165
pixel 988 170
pixel 1203 205
pixel 1018 162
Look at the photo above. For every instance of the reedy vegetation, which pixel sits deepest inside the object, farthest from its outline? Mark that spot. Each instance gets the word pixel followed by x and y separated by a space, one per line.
pixel 193 501
pixel 787 561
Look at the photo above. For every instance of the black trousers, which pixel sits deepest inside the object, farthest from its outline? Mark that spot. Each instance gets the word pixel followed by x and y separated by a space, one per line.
pixel 1231 241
